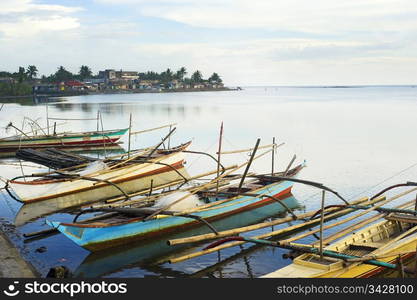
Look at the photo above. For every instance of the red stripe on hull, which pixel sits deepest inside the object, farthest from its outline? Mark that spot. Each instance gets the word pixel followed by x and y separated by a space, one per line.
pixel 177 166
pixel 161 232
pixel 63 145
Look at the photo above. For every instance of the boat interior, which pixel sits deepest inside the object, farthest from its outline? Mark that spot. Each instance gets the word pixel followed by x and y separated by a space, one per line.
pixel 360 243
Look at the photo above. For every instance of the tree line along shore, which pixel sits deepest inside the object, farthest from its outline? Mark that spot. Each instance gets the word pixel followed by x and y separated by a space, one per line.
pixel 25 82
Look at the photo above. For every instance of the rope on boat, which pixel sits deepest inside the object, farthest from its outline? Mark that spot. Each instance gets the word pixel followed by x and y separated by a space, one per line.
pixel 386 179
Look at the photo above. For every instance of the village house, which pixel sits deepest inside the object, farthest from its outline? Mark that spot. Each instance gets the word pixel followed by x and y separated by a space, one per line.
pixel 7 80
pixel 94 84
pixel 107 75
pixel 127 75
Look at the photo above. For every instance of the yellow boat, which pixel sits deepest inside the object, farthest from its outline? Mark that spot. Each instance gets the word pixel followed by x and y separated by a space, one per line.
pixel 384 241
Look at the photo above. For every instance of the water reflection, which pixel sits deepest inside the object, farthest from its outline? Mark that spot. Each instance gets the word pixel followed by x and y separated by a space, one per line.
pixel 356 141
pixel 170 110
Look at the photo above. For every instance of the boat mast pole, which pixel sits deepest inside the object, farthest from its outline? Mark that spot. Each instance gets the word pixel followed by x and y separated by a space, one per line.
pixel 130 131
pixel 248 165
pixel 218 157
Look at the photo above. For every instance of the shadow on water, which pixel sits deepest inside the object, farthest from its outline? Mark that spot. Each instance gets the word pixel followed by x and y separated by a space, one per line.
pixel 149 255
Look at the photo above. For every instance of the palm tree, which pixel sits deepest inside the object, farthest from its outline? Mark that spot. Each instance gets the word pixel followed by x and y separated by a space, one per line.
pixel 21 74
pixel 181 73
pixel 167 76
pixel 197 77
pixel 62 74
pixel 31 71
pixel 215 78
pixel 85 72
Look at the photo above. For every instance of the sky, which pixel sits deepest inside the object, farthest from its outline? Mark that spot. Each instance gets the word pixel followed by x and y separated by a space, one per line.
pixel 262 42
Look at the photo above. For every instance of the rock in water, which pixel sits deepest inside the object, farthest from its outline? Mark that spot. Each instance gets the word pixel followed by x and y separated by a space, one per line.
pixel 59 272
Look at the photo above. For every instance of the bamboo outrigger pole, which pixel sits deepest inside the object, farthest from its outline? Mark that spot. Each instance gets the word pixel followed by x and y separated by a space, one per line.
pixel 209 236
pixel 203 186
pixel 350 218
pixel 282 231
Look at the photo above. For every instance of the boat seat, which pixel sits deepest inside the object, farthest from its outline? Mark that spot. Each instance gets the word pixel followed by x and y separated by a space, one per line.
pixel 359 249
pixel 404 218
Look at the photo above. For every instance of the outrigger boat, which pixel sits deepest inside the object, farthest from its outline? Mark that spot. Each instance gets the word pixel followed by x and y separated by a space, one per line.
pixel 102 263
pixel 134 224
pixel 384 241
pixel 102 179
pixel 62 140
pixel 364 253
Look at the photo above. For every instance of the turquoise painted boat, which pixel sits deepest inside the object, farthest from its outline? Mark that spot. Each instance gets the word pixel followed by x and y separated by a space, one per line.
pixel 123 229
pixel 149 253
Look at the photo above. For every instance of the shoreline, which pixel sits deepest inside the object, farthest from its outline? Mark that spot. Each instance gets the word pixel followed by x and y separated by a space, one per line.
pixel 13 264
pixel 109 92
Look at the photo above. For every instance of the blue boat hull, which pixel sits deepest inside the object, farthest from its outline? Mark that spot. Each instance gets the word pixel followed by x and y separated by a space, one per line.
pixel 143 253
pixel 95 237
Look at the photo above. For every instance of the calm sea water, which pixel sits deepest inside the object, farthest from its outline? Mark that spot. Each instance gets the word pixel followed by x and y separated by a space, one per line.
pixel 355 140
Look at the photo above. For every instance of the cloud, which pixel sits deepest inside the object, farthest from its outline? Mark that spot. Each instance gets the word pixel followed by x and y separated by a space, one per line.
pixel 24 18
pixel 321 16
pixel 246 42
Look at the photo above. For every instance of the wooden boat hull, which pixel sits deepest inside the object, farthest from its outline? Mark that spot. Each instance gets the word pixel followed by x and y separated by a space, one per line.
pixel 97 237
pixel 102 263
pixel 130 179
pixel 34 210
pixel 93 138
pixel 309 266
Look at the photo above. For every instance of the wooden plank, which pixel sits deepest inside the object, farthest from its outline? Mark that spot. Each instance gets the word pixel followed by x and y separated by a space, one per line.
pixel 152 129
pixel 251 149
pixel 211 236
